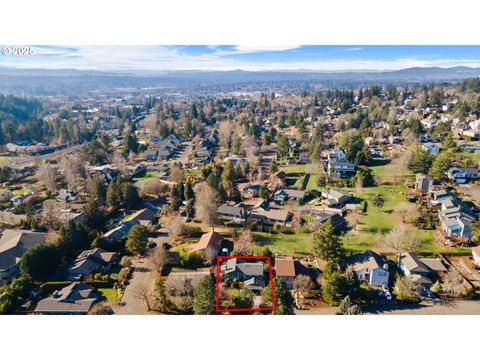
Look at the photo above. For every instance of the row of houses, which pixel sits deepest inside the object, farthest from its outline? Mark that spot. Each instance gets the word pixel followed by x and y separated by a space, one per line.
pixel 144 217
pixel 455 216
pixel 204 149
pixel 258 211
pixel 163 148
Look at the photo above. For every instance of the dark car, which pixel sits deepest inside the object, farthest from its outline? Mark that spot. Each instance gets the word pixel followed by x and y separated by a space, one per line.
pixel 152 245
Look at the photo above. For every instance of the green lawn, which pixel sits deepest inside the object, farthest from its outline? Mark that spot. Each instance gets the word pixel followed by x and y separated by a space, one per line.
pixel 22 191
pixel 294 168
pixel 312 182
pixel 6 159
pixel 109 294
pixel 383 220
pixel 296 172
pixel 150 175
pixel 283 244
pixel 192 172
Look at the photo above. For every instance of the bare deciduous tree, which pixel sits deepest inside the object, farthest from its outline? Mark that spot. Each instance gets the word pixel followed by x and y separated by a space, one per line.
pixel 210 256
pixel 183 290
pixel 73 170
pixel 144 294
pixel 206 204
pixel 303 283
pixel 453 283
pixel 48 175
pixel 225 129
pixel 50 216
pixel 243 246
pixel 159 259
pixel 176 173
pixel 154 187
pixel 401 239
pixel 404 288
pixel 5 195
pixel 120 163
pixel 403 209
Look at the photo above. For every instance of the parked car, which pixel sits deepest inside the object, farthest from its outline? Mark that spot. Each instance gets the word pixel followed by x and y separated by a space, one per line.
pixel 152 245
pixel 388 296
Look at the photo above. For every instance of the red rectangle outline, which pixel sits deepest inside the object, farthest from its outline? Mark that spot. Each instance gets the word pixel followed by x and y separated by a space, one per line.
pixel 217 273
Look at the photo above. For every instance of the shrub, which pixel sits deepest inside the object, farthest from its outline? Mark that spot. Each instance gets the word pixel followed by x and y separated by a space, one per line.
pixel 193 259
pixel 287 231
pixel 40 261
pixel 304 230
pixel 190 231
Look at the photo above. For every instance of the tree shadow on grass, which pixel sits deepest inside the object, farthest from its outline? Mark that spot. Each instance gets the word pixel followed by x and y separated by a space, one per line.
pixel 264 240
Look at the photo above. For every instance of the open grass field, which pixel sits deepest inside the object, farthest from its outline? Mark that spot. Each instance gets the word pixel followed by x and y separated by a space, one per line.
pixel 22 191
pixel 296 172
pixel 7 159
pixel 283 244
pixel 150 175
pixel 375 224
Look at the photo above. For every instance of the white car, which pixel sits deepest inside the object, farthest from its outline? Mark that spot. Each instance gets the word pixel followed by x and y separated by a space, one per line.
pixel 388 296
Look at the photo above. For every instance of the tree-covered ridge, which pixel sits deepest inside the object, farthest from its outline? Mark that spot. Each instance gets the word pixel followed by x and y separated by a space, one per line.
pixel 19 119
pixel 472 85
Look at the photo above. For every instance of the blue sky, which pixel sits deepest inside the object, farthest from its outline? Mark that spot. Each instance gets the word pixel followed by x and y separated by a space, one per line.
pixel 326 58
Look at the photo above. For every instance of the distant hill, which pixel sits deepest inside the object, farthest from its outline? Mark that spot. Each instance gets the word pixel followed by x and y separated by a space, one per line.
pixel 65 81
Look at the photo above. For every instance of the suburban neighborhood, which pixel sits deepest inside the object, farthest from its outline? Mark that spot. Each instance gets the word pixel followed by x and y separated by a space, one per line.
pixel 364 199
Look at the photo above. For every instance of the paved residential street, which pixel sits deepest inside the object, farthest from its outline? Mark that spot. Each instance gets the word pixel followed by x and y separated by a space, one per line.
pixel 144 275
pixel 460 307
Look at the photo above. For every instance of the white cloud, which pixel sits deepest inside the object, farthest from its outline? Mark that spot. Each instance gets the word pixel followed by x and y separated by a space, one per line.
pixel 125 58
pixel 353 49
pixel 248 49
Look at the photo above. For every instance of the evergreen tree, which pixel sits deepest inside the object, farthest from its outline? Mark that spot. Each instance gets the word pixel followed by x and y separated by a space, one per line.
pixel 189 193
pixel 449 142
pixel 204 301
pixel 137 239
pixel 421 162
pixel 346 307
pixel 282 146
pixel 40 261
pixel 94 218
pixel 176 196
pixel 114 195
pixel 130 197
pixel 326 243
pixel 285 303
pixel 440 166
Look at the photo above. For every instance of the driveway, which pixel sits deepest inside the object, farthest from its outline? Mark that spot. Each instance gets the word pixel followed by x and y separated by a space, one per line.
pixel 144 274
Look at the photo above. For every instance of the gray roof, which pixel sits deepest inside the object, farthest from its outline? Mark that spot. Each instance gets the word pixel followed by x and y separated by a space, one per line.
pixel 145 214
pixel 250 269
pixel 75 298
pixel 14 243
pixel 117 233
pixel 236 211
pixel 89 261
pixel 365 260
pixel 413 264
pixel 297 194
